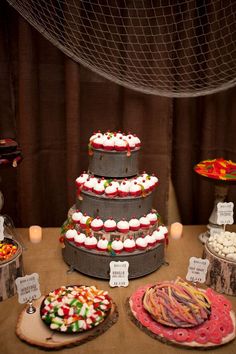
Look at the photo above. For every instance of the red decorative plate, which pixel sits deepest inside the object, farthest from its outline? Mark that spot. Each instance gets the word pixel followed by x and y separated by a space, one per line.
pixel 219 329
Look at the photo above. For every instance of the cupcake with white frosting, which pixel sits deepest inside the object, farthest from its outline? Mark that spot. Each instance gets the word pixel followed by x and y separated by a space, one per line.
pixel 117 245
pixel 120 144
pixel 95 135
pixel 153 180
pixel 79 239
pixel 84 221
pixel 151 240
pixel 163 229
pixel 70 234
pixel 108 143
pixel 76 216
pixel 89 184
pixel 81 179
pixel 111 190
pixel 96 224
pixel 123 226
pixel 137 141
pixel 146 185
pixel 102 244
pixel 90 242
pixel 134 224
pixel 152 217
pixel 135 189
pixel 109 225
pixel 141 243
pixel 144 222
pixel 123 189
pixel 97 143
pixel 129 244
pixel 99 188
pixel 159 236
pixel 131 141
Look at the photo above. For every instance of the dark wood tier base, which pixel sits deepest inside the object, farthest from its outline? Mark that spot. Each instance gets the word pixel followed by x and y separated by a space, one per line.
pixel 97 264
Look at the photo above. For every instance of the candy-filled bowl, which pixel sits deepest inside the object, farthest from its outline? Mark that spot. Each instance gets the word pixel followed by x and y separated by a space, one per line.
pixel 11 267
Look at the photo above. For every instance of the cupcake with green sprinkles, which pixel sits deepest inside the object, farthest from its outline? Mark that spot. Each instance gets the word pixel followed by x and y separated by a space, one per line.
pixel 74 309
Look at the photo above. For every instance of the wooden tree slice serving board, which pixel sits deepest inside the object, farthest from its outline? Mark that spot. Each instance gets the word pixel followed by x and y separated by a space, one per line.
pixel 221 273
pixel 31 329
pixel 140 317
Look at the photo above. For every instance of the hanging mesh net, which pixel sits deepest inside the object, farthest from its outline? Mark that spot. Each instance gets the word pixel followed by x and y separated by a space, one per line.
pixel 170 48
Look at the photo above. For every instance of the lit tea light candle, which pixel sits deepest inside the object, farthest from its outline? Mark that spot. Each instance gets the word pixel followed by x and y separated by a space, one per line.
pixel 35 234
pixel 176 230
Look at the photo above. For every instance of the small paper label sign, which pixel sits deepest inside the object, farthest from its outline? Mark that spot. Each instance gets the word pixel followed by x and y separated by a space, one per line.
pixel 225 213
pixel 215 231
pixel 119 274
pixel 197 270
pixel 1 228
pixel 28 288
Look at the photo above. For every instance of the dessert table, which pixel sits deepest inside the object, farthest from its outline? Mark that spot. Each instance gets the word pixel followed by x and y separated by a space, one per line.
pixel 45 259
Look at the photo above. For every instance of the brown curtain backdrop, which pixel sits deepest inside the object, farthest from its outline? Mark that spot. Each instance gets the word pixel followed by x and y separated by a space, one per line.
pixel 51 105
pixel 203 128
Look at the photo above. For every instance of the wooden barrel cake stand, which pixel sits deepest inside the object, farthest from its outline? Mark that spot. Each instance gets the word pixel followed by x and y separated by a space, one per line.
pixel 221 274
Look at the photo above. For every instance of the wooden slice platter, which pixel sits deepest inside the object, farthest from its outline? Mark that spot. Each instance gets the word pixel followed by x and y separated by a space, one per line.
pixel 31 329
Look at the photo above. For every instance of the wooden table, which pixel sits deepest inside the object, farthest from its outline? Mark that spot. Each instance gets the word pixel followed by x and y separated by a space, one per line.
pixel 124 337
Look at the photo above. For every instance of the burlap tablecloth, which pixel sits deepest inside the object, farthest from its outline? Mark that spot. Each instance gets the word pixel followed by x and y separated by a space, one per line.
pixel 124 337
